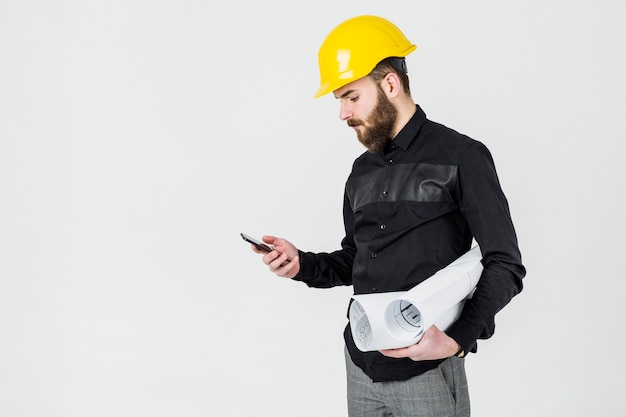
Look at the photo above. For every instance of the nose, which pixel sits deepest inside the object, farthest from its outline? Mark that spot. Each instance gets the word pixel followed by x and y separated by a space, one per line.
pixel 345 111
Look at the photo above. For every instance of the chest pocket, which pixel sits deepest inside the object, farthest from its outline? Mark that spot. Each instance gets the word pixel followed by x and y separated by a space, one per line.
pixel 419 183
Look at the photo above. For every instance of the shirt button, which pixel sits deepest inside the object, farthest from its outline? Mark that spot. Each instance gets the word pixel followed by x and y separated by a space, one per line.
pixel 385 193
pixel 390 161
pixel 374 289
pixel 383 227
pixel 374 255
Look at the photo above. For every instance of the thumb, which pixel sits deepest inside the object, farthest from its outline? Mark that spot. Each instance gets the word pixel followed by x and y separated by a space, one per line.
pixel 269 239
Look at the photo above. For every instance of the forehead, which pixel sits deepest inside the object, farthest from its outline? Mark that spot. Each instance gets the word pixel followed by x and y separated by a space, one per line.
pixel 357 86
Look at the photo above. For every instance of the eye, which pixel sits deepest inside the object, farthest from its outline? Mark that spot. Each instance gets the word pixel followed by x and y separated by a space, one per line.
pixel 353 98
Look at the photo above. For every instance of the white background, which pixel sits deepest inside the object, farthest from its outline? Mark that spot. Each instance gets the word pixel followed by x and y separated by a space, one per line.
pixel 139 138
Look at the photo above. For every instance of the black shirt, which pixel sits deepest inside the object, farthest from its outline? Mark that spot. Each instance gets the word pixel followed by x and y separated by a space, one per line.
pixel 409 211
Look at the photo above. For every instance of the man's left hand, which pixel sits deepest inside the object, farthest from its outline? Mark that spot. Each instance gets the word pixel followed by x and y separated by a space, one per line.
pixel 435 344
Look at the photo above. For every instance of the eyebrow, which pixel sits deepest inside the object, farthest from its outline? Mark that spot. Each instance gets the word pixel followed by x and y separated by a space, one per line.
pixel 347 93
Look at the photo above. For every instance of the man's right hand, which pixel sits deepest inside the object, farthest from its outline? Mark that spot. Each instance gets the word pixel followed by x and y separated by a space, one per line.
pixel 283 260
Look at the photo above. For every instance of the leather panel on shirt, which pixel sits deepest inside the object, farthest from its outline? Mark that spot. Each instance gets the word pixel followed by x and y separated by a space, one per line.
pixel 420 182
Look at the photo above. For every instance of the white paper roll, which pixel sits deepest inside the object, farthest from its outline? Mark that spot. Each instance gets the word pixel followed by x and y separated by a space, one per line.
pixel 399 319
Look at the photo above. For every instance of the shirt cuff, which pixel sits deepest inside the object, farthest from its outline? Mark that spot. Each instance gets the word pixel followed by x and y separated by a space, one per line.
pixel 465 333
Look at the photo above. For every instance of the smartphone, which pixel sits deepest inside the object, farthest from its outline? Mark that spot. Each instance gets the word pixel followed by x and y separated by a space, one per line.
pixel 257 243
pixel 260 245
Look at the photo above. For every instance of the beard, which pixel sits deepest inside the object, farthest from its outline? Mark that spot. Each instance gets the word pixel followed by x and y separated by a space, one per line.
pixel 381 121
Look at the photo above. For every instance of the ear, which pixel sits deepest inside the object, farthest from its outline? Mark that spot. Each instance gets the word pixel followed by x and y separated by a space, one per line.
pixel 391 85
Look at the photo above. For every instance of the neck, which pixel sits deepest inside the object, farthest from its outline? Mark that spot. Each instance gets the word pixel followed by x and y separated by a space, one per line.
pixel 406 109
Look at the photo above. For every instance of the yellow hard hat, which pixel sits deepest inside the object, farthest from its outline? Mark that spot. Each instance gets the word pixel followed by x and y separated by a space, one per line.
pixel 352 50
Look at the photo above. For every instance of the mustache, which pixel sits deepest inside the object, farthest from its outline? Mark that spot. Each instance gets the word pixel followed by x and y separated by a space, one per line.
pixel 354 122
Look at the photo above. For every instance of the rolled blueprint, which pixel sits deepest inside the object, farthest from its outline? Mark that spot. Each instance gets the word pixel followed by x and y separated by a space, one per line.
pixel 398 319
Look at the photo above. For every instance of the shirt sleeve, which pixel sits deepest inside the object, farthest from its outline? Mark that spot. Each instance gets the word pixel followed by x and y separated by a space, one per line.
pixel 486 210
pixel 325 270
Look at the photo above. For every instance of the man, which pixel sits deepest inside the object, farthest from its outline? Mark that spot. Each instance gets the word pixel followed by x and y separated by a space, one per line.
pixel 413 203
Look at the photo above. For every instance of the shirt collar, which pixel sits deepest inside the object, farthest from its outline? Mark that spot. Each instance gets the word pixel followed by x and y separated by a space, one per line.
pixel 408 133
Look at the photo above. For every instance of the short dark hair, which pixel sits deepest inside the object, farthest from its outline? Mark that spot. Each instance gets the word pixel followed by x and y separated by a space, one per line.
pixel 395 65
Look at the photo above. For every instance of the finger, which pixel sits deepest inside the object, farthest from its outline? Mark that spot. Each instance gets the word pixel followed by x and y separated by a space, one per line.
pixel 278 261
pixel 289 269
pixel 269 239
pixel 394 353
pixel 257 250
pixel 271 257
